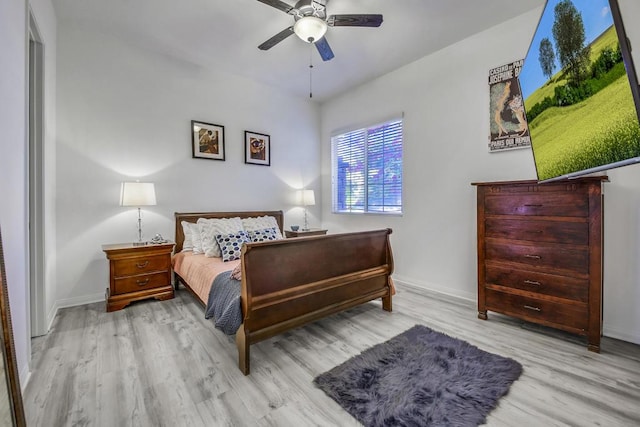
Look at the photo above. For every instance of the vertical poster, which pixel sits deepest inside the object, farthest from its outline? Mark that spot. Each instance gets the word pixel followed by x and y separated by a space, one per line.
pixel 508 124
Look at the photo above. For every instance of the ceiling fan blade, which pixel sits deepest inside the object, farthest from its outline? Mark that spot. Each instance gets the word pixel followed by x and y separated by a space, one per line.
pixel 280 5
pixel 354 20
pixel 276 39
pixel 324 49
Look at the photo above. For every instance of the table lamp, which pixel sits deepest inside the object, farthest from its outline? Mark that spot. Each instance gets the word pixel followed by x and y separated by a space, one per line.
pixel 138 194
pixel 308 199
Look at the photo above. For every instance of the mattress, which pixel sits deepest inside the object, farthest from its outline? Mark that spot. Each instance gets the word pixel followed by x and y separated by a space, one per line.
pixel 199 271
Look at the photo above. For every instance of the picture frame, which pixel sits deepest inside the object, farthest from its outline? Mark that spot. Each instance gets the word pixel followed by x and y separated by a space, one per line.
pixel 257 148
pixel 508 128
pixel 207 141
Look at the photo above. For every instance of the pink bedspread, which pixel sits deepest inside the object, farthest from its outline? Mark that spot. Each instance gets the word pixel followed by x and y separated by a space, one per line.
pixel 199 271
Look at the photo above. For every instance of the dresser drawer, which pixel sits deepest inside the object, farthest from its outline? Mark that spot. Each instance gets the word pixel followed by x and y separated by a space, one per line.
pixel 572 204
pixel 141 282
pixel 534 281
pixel 572 316
pixel 573 232
pixel 141 265
pixel 573 260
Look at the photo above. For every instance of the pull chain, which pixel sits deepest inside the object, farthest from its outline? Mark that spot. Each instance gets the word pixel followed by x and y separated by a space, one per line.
pixel 310 70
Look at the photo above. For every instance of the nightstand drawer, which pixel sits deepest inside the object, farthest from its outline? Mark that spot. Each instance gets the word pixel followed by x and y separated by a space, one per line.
pixel 141 265
pixel 141 282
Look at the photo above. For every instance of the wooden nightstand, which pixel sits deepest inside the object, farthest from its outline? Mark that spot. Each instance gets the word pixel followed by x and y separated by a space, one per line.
pixel 304 233
pixel 138 272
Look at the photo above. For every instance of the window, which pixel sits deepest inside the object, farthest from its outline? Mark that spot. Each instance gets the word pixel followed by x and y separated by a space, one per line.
pixel 367 169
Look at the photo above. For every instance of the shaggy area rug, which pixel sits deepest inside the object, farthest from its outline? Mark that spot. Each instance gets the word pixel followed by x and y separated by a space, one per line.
pixel 420 378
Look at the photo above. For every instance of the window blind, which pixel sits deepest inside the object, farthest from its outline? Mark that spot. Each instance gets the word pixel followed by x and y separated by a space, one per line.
pixel 367 169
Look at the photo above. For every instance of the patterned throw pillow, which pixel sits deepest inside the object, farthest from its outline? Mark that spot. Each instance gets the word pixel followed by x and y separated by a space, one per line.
pixel 263 235
pixel 231 244
pixel 260 223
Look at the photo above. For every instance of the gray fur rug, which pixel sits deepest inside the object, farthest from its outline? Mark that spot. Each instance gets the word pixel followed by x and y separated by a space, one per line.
pixel 420 378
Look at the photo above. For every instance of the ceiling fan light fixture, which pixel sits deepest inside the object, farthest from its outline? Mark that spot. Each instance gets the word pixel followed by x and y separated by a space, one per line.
pixel 310 28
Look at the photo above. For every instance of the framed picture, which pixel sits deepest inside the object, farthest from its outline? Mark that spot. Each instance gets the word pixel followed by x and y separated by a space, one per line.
pixel 507 121
pixel 257 148
pixel 207 140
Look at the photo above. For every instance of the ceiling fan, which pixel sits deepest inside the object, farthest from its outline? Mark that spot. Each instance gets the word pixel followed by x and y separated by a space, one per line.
pixel 311 23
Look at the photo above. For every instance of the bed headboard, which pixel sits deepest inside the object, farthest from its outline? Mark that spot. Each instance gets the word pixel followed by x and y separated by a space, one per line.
pixel 193 217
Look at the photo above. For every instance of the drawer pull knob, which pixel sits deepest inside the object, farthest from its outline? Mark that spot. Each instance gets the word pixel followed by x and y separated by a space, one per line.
pixel 142 264
pixel 142 282
pixel 529 307
pixel 535 231
pixel 532 282
pixel 532 206
pixel 532 256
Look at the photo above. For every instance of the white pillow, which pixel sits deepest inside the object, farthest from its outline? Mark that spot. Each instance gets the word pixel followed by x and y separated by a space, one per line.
pixel 187 244
pixel 260 223
pixel 196 239
pixel 210 228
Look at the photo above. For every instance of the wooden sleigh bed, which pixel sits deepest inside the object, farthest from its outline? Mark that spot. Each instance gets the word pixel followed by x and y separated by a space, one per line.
pixel 288 283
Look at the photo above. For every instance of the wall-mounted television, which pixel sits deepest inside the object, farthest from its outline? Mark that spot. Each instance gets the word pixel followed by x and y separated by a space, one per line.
pixel 581 90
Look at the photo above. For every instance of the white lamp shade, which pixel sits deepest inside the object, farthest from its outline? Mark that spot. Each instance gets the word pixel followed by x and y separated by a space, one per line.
pixel 310 28
pixel 137 194
pixel 308 198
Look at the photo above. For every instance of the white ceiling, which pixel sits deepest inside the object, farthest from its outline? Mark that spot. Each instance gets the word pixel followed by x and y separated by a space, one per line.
pixel 224 35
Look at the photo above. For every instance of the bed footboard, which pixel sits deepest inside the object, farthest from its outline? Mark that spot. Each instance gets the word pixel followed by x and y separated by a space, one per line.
pixel 288 283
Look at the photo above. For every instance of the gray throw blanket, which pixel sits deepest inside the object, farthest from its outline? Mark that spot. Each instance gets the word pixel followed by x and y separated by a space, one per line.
pixel 224 303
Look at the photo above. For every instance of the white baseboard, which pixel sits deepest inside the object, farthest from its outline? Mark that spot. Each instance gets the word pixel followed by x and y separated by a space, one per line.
pixel 406 281
pixel 26 374
pixel 71 302
pixel 613 332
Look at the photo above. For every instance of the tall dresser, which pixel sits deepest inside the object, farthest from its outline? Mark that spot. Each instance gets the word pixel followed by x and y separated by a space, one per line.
pixel 540 253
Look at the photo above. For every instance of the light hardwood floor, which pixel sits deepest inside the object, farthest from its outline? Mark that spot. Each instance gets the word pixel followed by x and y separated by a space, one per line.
pixel 162 364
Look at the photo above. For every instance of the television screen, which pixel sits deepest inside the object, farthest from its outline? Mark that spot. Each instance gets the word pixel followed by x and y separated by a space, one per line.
pixel 580 90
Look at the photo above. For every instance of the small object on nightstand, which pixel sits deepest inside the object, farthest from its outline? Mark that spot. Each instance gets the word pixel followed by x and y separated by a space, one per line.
pixel 305 233
pixel 138 272
pixel 295 227
pixel 157 239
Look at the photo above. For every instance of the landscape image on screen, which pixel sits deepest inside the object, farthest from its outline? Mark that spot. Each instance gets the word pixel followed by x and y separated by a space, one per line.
pixel 578 100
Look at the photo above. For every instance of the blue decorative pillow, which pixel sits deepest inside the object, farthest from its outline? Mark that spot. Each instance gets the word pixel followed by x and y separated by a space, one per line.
pixel 231 244
pixel 264 234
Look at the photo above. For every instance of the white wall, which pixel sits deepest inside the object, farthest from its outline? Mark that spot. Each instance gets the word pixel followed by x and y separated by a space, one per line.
pixel 13 159
pixel 45 21
pixel 125 112
pixel 13 146
pixel 445 100
pixel 622 227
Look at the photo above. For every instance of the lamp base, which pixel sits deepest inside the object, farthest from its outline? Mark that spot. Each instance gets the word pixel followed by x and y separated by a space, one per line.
pixel 140 243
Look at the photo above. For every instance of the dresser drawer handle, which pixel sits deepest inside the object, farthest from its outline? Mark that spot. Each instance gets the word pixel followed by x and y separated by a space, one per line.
pixel 529 307
pixel 533 206
pixel 535 231
pixel 532 282
pixel 142 264
pixel 532 256
pixel 142 282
